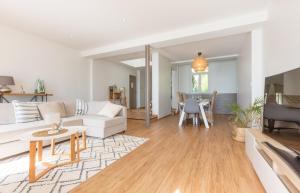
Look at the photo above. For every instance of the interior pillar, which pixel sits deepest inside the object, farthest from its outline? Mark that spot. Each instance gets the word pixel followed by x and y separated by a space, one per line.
pixel 147 84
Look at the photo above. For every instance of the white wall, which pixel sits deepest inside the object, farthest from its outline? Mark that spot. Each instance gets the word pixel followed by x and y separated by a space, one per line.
pixel 106 74
pixel 281 37
pixel 222 76
pixel 185 78
pixel 27 58
pixel 174 86
pixel 244 95
pixel 140 84
pixel 165 103
pixel 257 68
pixel 161 85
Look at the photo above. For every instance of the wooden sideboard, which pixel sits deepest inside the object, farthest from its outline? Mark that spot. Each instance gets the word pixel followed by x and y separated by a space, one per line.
pixel 274 173
pixel 34 96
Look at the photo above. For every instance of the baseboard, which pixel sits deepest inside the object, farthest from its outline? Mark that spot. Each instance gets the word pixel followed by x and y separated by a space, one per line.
pixel 164 116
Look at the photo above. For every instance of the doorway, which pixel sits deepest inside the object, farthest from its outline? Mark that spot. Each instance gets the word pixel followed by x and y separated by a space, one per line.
pixel 132 92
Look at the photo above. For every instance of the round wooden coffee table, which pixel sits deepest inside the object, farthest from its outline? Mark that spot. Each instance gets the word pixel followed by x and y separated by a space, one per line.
pixel 36 139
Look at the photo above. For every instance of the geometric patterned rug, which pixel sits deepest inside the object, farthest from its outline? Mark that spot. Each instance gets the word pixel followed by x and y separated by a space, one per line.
pixel 99 154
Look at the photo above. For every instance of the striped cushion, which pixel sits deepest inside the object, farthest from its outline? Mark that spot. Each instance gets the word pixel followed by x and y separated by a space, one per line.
pixel 81 107
pixel 26 112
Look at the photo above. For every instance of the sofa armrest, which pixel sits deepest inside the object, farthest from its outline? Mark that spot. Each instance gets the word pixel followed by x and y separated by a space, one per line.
pixel 123 112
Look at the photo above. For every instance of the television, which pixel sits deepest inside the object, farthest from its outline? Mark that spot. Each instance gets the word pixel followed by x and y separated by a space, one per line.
pixel 281 118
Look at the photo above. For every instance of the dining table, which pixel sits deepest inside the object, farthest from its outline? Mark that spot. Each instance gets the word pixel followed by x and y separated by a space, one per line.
pixel 202 103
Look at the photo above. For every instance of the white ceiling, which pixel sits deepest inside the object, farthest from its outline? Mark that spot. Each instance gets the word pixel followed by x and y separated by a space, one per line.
pixel 217 48
pixel 211 48
pixel 88 24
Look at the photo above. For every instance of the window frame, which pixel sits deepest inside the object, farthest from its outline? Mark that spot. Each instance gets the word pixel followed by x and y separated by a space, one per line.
pixel 200 74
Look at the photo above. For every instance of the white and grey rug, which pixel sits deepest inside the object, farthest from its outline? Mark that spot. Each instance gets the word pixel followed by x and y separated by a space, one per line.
pixel 99 154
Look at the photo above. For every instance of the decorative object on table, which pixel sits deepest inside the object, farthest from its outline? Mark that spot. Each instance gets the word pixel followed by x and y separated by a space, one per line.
pixel 200 63
pixel 81 107
pixel 22 89
pixel 54 120
pixel 26 112
pixel 123 96
pixel 4 82
pixel 111 90
pixel 117 96
pixel 47 133
pixel 40 86
pixel 245 118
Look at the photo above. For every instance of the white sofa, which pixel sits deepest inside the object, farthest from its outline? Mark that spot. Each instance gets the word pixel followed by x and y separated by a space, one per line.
pixel 96 125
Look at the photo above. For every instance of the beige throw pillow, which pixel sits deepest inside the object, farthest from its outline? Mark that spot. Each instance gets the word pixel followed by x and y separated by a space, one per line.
pixel 110 110
pixel 52 107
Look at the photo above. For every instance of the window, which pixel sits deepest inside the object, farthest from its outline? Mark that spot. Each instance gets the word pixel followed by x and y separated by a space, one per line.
pixel 200 82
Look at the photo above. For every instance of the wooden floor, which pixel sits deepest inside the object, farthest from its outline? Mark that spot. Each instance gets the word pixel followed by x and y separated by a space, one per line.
pixel 288 137
pixel 176 160
pixel 138 114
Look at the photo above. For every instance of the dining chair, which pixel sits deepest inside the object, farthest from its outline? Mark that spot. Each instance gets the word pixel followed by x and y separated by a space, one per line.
pixel 209 110
pixel 191 107
pixel 185 96
pixel 180 101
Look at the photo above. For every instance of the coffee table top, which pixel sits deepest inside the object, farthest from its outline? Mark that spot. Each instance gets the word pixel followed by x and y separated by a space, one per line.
pixel 67 131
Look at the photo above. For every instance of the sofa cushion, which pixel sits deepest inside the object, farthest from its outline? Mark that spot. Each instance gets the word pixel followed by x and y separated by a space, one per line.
pixel 102 121
pixel 72 121
pixel 26 112
pixel 52 107
pixel 95 106
pixel 110 110
pixel 70 107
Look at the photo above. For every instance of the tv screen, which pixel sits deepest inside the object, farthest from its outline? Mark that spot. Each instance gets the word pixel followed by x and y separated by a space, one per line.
pixel 282 108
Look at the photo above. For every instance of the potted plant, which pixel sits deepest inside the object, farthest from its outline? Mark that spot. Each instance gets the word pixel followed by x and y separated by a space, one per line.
pixel 245 118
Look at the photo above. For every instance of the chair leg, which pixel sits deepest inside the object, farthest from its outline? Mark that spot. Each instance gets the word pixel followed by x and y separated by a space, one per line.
pixel 197 119
pixel 181 118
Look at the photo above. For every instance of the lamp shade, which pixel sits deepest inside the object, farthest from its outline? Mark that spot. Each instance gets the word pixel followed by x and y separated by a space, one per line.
pixel 6 80
pixel 199 63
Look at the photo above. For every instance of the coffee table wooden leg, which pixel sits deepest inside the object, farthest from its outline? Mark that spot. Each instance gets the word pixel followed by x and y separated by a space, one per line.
pixel 40 150
pixel 72 147
pixel 32 157
pixel 77 147
pixel 84 139
pixel 52 146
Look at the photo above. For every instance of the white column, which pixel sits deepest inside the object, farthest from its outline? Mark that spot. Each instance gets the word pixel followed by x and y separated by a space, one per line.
pixel 155 82
pixel 138 89
pixel 147 83
pixel 257 76
pixel 91 80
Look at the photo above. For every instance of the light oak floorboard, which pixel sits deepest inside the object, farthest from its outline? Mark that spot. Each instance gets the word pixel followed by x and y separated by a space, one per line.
pixel 179 160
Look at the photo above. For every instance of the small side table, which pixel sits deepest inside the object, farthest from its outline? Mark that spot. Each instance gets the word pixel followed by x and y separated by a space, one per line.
pixel 36 147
